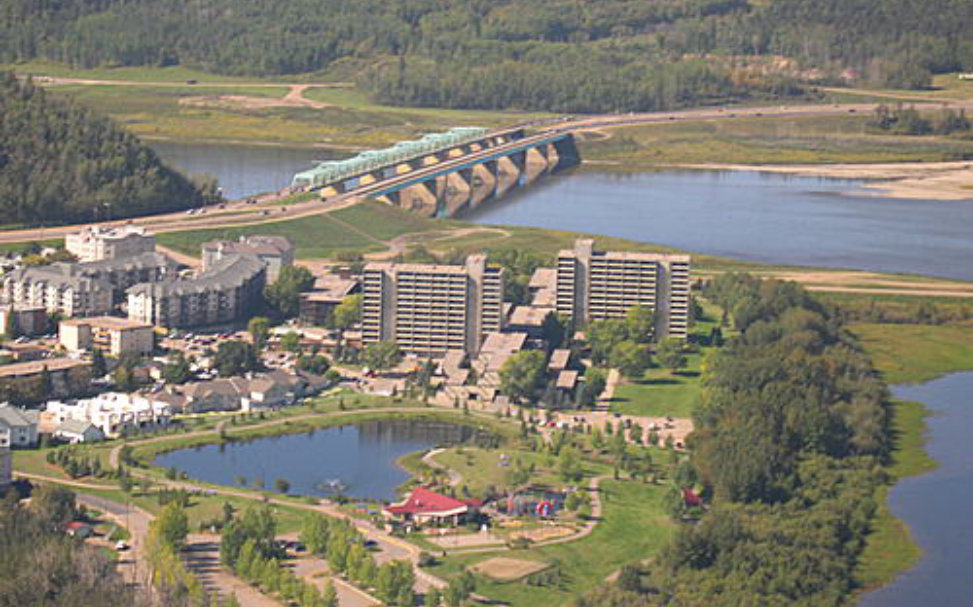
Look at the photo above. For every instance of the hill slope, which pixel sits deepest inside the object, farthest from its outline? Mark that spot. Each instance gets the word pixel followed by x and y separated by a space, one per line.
pixel 61 163
pixel 562 55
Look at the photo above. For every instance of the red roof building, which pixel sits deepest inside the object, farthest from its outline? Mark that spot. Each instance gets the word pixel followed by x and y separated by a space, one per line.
pixel 425 506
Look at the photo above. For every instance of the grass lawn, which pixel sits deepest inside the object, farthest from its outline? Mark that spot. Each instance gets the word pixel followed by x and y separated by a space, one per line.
pixel 361 228
pixel 634 528
pixel 315 237
pixel 770 140
pixel 481 467
pixel 908 354
pixel 661 392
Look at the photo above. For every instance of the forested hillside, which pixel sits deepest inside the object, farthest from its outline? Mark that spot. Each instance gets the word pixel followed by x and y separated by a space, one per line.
pixel 61 163
pixel 791 436
pixel 564 55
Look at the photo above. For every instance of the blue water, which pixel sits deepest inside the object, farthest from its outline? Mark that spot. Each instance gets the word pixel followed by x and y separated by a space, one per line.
pixel 938 505
pixel 752 216
pixel 241 171
pixel 362 457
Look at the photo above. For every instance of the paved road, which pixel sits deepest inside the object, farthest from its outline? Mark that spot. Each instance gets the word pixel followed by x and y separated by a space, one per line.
pixel 131 563
pixel 202 557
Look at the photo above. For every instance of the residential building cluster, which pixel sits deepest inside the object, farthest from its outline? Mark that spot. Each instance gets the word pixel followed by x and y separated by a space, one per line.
pixel 119 268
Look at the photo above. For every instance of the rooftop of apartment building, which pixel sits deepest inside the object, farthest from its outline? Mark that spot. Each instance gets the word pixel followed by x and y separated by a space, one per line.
pixel 585 246
pixel 140 261
pixel 61 274
pixel 251 245
pixel 107 322
pixel 529 316
pixel 109 232
pixel 330 289
pixel 427 268
pixel 228 273
pixel 37 366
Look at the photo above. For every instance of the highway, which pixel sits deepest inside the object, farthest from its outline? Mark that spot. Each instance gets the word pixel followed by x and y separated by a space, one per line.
pixel 269 209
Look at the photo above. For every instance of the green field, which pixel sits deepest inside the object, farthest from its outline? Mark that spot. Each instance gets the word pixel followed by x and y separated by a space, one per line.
pixel 361 228
pixel 909 354
pixel 769 140
pixel 661 392
pixel 634 528
pixel 480 468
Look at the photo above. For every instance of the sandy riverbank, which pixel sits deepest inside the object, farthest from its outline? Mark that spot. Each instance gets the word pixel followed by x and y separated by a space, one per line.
pixel 920 180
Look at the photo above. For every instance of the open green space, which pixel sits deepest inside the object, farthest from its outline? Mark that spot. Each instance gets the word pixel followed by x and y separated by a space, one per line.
pixel 634 528
pixel 361 228
pixel 908 354
pixel 767 140
pixel 661 392
pixel 314 237
pixel 482 468
pixel 157 103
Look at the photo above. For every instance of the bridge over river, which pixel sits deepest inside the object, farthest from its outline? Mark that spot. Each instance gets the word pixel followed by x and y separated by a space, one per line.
pixel 443 174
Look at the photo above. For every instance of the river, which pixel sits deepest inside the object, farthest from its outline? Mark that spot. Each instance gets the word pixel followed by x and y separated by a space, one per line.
pixel 770 218
pixel 241 171
pixel 938 505
pixel 752 216
pixel 363 458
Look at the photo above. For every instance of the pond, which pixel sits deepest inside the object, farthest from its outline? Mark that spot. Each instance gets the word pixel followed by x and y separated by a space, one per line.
pixel 360 458
pixel 938 505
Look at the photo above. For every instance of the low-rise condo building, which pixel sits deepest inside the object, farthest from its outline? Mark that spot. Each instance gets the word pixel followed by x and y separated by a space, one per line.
pixel 275 251
pixel 96 243
pixel 110 334
pixel 225 292
pixel 59 288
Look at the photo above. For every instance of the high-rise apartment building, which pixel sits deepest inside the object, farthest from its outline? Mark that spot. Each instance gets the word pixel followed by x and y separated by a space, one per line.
pixel 429 309
pixel 597 285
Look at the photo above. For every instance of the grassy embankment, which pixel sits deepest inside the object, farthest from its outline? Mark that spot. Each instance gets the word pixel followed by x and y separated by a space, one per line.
pixel 768 140
pixel 906 354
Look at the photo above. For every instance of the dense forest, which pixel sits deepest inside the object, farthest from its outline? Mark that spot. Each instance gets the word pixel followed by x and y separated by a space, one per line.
pixel 791 436
pixel 62 163
pixel 563 55
pixel 41 565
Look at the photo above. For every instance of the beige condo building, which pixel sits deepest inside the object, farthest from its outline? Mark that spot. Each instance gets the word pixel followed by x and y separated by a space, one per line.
pixel 96 243
pixel 596 285
pixel 430 309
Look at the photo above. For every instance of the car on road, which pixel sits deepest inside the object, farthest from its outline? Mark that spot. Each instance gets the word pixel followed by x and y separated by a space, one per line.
pixel 121 546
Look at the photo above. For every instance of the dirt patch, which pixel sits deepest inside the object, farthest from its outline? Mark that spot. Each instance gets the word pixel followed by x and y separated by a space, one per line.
pixel 294 98
pixel 506 569
pixel 542 534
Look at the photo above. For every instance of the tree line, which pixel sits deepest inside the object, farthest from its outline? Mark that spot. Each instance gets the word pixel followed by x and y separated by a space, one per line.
pixel 791 437
pixel 558 55
pixel 62 163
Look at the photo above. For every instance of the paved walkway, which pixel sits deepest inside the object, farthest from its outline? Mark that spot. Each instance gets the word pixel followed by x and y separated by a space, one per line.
pixel 202 557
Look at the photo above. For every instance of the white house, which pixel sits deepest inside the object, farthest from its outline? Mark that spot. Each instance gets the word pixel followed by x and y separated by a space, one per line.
pixel 77 431
pixel 18 427
pixel 113 413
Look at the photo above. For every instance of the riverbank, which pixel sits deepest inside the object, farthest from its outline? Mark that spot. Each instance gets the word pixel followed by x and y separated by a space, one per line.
pixel 905 354
pixel 911 180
